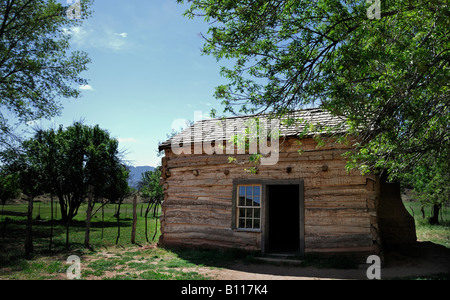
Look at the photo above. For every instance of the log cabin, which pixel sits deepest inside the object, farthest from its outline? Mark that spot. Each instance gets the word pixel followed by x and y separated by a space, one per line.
pixel 300 200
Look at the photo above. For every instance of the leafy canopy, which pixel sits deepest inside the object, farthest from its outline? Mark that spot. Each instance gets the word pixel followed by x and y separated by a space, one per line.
pixel 150 186
pixel 389 76
pixel 37 67
pixel 69 162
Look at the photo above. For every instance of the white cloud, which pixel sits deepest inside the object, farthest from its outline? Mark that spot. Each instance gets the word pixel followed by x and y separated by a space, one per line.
pixel 101 37
pixel 116 41
pixel 123 34
pixel 86 87
pixel 79 36
pixel 127 140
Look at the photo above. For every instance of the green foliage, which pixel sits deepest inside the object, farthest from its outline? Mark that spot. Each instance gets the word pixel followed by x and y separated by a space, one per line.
pixel 50 265
pixel 150 186
pixel 256 131
pixel 9 186
pixel 388 77
pixel 430 181
pixel 37 67
pixel 439 234
pixel 66 162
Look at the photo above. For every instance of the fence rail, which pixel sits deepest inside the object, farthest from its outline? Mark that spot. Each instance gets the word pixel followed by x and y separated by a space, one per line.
pixel 13 213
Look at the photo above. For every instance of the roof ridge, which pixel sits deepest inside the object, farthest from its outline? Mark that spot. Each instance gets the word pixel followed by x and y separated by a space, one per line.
pixel 259 114
pixel 316 116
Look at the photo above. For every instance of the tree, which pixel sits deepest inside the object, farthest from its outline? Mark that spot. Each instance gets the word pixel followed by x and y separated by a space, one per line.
pixel 69 162
pixel 151 189
pixel 77 158
pixel 118 190
pixel 37 67
pixel 430 182
pixel 150 186
pixel 27 170
pixel 388 75
pixel 9 186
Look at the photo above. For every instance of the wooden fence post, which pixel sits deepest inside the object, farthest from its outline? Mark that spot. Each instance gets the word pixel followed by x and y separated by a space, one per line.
pixel 51 223
pixel 29 227
pixel 88 219
pixel 133 231
pixel 117 214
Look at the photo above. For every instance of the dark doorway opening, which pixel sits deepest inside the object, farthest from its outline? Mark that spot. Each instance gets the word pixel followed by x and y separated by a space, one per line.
pixel 283 219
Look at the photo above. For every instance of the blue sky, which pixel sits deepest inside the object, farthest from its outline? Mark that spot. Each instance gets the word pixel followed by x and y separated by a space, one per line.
pixel 147 71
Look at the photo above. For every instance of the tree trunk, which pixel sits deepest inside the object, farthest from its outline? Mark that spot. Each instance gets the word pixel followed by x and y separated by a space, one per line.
pixel 133 230
pixel 145 217
pixel 62 209
pixel 69 215
pixel 118 222
pixel 103 219
pixel 67 234
pixel 51 223
pixel 4 221
pixel 156 221
pixel 29 238
pixel 434 219
pixel 88 220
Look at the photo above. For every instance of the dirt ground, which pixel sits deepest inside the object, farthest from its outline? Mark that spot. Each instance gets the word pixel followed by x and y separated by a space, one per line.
pixel 423 260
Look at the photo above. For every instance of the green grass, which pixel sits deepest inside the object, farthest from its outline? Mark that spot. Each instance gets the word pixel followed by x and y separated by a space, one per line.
pixel 106 260
pixel 127 261
pixel 103 234
pixel 438 234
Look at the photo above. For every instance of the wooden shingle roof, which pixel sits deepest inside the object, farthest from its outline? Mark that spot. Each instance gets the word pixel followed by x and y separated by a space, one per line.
pixel 291 124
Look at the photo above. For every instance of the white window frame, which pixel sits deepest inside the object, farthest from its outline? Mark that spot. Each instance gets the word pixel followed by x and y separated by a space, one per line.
pixel 255 226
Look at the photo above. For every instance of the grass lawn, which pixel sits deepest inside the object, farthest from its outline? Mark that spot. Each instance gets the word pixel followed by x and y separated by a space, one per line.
pixel 142 260
pixel 51 262
pixel 107 260
pixel 438 234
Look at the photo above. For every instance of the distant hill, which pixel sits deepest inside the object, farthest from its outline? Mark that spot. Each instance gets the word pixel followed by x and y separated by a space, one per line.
pixel 135 174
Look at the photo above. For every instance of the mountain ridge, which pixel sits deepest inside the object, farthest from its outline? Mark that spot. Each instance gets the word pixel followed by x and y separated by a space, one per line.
pixel 136 174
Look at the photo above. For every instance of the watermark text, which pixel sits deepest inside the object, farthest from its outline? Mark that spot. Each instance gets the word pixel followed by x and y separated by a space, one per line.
pixel 374 10
pixel 74 270
pixel 74 11
pixel 374 270
pixel 229 136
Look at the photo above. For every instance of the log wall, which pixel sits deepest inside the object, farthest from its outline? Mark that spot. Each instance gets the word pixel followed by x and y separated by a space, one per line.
pixel 340 207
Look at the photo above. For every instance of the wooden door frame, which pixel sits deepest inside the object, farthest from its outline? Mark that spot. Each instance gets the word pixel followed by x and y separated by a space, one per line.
pixel 264 207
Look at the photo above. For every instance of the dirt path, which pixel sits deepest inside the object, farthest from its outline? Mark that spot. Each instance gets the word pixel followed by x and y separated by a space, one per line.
pixel 423 260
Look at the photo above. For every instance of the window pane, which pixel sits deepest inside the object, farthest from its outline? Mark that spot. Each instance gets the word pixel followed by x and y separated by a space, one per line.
pixel 249 207
pixel 248 223
pixel 242 191
pixel 256 223
pixel 256 190
pixel 242 201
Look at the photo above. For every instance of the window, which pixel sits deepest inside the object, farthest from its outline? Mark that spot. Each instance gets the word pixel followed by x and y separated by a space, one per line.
pixel 248 207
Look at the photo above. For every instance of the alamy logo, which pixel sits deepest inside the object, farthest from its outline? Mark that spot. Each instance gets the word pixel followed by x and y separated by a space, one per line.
pixel 374 10
pixel 255 136
pixel 74 270
pixel 74 11
pixel 374 270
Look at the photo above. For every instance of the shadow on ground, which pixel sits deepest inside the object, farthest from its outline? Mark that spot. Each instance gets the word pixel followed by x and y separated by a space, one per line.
pixel 421 260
